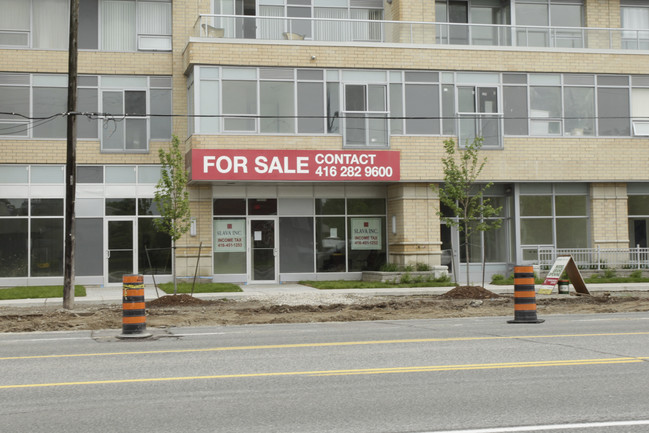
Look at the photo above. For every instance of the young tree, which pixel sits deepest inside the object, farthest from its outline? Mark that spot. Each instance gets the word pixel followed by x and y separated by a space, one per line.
pixel 470 213
pixel 172 198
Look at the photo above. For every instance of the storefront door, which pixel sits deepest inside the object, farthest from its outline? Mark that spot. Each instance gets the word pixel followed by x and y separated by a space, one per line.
pixel 264 256
pixel 120 242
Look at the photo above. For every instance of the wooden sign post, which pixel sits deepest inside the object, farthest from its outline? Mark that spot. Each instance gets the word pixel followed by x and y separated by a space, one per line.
pixel 560 264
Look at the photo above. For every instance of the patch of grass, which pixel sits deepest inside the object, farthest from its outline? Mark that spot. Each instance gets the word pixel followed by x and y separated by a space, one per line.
pixel 499 280
pixel 604 279
pixel 200 287
pixel 344 284
pixel 595 279
pixel 38 292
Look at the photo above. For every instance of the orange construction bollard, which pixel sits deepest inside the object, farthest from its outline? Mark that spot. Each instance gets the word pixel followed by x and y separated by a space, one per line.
pixel 133 307
pixel 524 296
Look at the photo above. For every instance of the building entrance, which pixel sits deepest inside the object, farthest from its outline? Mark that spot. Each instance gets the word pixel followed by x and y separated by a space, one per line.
pixel 263 250
pixel 120 241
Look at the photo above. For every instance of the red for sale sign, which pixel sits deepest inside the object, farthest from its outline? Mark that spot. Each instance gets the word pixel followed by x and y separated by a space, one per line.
pixel 298 165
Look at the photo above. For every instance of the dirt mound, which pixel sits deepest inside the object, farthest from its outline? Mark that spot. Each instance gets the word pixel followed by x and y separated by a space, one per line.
pixel 172 300
pixel 469 292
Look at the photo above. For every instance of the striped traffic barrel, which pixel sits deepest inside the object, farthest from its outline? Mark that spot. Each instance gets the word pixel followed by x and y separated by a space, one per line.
pixel 524 296
pixel 133 306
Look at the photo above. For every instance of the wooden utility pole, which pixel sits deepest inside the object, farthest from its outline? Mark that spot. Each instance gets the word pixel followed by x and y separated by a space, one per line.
pixel 71 161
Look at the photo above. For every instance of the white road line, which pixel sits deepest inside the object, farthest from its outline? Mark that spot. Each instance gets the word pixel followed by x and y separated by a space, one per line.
pixel 535 428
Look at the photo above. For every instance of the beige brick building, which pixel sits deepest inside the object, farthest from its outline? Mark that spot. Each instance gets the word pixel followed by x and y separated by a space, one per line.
pixel 314 132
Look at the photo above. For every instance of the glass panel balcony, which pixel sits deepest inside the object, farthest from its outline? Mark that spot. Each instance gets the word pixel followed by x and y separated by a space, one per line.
pixel 366 129
pixel 410 32
pixel 489 126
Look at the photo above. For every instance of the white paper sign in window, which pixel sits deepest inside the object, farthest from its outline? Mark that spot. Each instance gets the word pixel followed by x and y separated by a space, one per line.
pixel 366 234
pixel 229 236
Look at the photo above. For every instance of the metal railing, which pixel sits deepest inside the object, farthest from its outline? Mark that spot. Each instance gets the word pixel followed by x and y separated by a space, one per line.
pixel 592 258
pixel 489 126
pixel 411 32
pixel 366 129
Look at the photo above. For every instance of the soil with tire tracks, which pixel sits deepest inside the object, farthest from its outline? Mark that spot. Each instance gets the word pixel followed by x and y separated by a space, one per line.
pixel 184 310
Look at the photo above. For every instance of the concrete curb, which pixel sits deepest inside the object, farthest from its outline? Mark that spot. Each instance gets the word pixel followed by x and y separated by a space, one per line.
pixel 113 295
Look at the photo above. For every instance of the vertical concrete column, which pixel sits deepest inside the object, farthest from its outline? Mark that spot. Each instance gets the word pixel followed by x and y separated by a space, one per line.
pixel 413 224
pixel 602 14
pixel 187 251
pixel 413 10
pixel 609 215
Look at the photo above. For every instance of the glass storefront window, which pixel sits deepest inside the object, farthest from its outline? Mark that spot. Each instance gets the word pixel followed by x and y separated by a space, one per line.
pixel 47 207
pixel 154 248
pixel 330 244
pixel 229 245
pixel 572 233
pixel 229 206
pixel 366 206
pixel 296 244
pixel 89 247
pixel 367 249
pixel 13 247
pixel 120 206
pixel 638 204
pixel 536 231
pixel 570 205
pixel 46 247
pixel 260 206
pixel 13 207
pixel 536 205
pixel 330 206
pixel 147 206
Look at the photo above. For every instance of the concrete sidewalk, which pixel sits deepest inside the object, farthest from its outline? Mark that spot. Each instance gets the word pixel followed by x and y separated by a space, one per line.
pixel 113 294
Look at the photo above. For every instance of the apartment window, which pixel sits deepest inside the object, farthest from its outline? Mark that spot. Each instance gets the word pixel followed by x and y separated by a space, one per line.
pixel 239 100
pixel 554 214
pixel 613 105
pixel 15 98
pixel 31 242
pixel 478 115
pixel 515 106
pixel 310 101
pixel 277 104
pixel 291 19
pixel 560 15
pixel 40 24
pixel 366 115
pixel 130 133
pixel 634 17
pixel 126 25
pixel 640 105
pixel 638 209
pixel 422 102
pixel 108 25
pixel 545 104
pixel 459 13
pixel 40 101
pixel 126 103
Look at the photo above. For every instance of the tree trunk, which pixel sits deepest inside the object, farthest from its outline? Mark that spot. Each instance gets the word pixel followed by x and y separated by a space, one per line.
pixel 173 265
pixel 466 252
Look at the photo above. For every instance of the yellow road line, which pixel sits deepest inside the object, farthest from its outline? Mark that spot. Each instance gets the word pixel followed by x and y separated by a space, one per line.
pixel 315 345
pixel 363 371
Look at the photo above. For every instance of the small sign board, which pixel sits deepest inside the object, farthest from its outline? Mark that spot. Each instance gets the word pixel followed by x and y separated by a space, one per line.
pixel 560 264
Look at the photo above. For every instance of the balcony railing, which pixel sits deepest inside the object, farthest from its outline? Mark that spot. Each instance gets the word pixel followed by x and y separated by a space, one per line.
pixel 489 126
pixel 366 129
pixel 589 258
pixel 409 32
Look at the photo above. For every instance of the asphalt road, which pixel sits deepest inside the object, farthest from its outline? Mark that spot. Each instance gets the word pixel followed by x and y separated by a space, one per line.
pixel 585 373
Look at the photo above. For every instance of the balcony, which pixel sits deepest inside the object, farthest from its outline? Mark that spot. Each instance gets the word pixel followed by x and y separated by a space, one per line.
pixel 408 32
pixel 489 126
